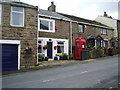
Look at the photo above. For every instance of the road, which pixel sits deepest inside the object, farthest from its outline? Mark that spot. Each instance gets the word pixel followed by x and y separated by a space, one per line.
pixel 102 73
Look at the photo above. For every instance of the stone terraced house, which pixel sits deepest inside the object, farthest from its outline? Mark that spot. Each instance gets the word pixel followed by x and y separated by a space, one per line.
pixel 18 31
pixel 54 31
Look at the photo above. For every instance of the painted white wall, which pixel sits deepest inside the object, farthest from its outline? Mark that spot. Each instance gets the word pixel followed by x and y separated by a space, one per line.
pixel 109 22
pixel 55 40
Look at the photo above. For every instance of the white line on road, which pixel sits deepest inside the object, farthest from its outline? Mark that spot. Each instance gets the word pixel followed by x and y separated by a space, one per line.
pixel 110 87
pixel 48 80
pixel 45 80
pixel 84 72
pixel 99 81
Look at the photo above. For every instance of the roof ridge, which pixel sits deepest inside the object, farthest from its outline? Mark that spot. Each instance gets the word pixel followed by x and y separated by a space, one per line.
pixel 19 3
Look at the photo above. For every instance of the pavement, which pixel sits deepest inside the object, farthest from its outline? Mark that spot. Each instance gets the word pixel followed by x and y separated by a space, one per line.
pixel 99 73
pixel 52 64
pixel 48 64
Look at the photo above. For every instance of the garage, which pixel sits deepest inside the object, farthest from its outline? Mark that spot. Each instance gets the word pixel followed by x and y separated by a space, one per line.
pixel 10 55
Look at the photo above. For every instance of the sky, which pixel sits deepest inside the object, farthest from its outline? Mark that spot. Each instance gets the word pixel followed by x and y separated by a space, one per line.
pixel 88 9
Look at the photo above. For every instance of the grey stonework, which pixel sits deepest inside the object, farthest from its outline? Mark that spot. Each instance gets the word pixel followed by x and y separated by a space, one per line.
pixel 90 30
pixel 26 35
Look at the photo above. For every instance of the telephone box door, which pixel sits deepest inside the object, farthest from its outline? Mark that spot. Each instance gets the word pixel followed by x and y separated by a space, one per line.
pixel 80 44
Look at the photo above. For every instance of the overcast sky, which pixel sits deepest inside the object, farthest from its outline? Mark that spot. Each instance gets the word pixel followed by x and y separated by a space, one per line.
pixel 88 9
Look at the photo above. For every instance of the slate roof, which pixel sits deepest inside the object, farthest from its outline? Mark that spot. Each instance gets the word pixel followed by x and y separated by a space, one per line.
pixel 52 14
pixel 18 4
pixel 82 20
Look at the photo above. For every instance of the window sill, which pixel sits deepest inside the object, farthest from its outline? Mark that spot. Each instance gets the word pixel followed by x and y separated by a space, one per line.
pixel 104 34
pixel 46 31
pixel 17 26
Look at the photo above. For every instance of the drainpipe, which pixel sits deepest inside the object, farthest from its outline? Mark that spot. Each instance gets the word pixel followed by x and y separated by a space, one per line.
pixel 37 34
pixel 71 37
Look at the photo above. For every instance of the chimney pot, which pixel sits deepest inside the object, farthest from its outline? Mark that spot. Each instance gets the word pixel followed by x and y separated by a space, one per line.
pixel 52 7
pixel 52 3
pixel 105 14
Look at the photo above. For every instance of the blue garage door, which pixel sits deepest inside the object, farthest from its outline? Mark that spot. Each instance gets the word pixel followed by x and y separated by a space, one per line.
pixel 9 57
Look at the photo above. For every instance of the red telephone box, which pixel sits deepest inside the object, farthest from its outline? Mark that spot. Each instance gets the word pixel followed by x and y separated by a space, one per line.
pixel 80 44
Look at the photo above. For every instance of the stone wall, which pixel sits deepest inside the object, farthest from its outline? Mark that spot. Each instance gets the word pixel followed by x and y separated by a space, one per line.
pixel 26 35
pixel 99 52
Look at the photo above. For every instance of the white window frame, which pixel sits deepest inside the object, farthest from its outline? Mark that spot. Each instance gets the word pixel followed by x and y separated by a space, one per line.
pixel 79 28
pixel 17 12
pixel 104 30
pixel 0 14
pixel 61 45
pixel 49 25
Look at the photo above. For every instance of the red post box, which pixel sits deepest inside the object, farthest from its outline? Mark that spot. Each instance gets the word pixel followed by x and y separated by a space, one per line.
pixel 80 44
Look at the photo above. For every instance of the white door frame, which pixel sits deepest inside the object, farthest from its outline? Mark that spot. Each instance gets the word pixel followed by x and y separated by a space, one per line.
pixel 54 41
pixel 13 42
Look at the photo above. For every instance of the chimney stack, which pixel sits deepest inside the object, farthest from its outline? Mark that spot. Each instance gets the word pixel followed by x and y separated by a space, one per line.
pixel 105 14
pixel 52 7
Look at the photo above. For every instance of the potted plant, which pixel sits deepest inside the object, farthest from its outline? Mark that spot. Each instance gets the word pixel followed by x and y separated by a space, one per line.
pixel 40 57
pixel 29 48
pixel 46 58
pixel 39 46
pixel 45 47
pixel 55 58
pixel 64 56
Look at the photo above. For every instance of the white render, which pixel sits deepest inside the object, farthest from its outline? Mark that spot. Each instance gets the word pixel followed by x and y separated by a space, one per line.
pixel 54 41
pixel 109 22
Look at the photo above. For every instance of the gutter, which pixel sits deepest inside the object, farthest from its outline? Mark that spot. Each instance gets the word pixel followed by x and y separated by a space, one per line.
pixel 93 25
pixel 53 17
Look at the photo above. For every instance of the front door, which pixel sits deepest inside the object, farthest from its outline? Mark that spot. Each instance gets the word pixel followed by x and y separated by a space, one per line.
pixel 49 50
